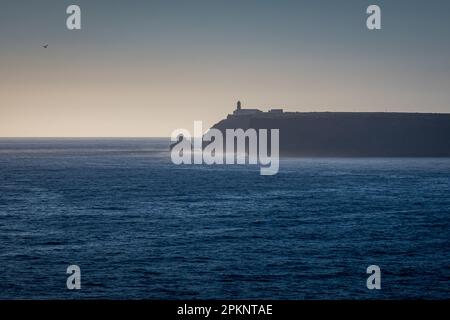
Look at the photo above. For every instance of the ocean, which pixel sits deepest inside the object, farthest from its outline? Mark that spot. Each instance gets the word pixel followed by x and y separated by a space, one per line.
pixel 140 227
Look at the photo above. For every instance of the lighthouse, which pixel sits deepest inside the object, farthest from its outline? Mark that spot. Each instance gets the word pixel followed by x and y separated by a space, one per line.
pixel 241 112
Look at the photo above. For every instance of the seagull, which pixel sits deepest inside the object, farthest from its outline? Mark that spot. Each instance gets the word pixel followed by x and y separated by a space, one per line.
pixel 45 46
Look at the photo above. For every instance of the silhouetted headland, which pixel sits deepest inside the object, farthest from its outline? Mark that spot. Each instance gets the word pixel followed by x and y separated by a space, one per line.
pixel 349 134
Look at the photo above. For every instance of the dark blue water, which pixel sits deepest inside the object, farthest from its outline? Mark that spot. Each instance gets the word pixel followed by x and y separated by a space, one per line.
pixel 141 227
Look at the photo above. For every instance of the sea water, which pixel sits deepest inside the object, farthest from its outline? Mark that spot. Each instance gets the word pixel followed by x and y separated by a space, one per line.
pixel 140 227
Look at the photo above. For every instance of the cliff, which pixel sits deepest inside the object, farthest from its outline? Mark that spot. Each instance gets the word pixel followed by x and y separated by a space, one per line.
pixel 351 134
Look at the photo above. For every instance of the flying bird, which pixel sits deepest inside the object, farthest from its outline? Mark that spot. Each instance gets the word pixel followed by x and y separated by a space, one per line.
pixel 45 46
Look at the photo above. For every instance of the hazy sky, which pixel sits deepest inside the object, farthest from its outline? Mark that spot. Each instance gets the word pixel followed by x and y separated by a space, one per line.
pixel 145 68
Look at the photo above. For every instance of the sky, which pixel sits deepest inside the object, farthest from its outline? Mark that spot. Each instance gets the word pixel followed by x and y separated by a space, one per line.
pixel 143 68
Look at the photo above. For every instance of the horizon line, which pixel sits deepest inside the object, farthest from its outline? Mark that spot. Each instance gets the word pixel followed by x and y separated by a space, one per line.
pixel 82 137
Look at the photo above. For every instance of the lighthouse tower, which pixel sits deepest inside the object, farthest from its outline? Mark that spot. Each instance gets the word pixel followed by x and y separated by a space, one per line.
pixel 241 112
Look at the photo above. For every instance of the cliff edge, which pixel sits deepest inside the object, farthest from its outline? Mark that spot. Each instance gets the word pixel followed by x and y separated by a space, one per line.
pixel 349 134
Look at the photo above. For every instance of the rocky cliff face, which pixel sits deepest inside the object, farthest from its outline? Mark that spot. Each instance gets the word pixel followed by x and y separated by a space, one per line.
pixel 348 134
